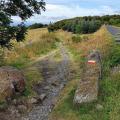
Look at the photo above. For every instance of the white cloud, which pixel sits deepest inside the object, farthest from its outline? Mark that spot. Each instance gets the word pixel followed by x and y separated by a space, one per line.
pixel 72 11
pixel 55 12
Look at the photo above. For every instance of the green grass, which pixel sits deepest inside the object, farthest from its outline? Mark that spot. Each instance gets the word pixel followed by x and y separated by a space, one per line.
pixel 33 76
pixel 109 98
pixel 79 38
pixel 76 39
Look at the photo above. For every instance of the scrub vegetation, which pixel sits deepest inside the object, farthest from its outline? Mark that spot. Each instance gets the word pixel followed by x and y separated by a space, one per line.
pixel 85 25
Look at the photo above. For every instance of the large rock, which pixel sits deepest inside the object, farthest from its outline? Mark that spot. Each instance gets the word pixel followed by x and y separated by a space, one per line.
pixel 11 80
pixel 87 90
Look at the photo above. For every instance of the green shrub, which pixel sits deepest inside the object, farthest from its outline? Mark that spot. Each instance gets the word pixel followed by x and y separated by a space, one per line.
pixel 115 55
pixel 113 59
pixel 76 39
pixel 57 39
pixel 85 38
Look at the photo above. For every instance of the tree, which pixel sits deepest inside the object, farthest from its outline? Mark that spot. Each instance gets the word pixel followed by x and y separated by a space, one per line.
pixel 92 26
pixel 51 27
pixel 37 25
pixel 84 26
pixel 22 8
pixel 78 28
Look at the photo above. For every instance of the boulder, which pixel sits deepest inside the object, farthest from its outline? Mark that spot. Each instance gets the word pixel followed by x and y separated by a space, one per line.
pixel 87 90
pixel 42 97
pixel 11 81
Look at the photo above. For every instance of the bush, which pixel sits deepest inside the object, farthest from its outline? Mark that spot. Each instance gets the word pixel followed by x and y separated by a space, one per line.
pixel 115 55
pixel 85 38
pixel 76 39
pixel 37 25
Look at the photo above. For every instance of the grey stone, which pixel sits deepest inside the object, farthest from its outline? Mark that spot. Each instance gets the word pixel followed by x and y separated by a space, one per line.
pixel 13 110
pixel 87 90
pixel 55 83
pixel 42 97
pixel 22 109
pixel 33 101
pixel 47 88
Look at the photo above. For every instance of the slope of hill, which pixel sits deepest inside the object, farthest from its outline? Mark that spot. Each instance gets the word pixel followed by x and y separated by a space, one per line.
pixel 88 24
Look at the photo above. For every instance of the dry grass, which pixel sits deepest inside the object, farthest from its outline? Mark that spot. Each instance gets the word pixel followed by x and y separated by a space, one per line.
pixel 65 110
pixel 98 41
pixel 34 35
pixel 38 42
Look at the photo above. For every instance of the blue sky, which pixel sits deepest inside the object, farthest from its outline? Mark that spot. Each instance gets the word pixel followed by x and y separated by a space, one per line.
pixel 62 9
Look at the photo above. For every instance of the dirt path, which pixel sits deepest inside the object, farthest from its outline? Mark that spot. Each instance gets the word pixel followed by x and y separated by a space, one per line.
pixel 55 74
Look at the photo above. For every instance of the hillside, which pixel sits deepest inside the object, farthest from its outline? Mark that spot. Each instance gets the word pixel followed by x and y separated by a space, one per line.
pixel 85 25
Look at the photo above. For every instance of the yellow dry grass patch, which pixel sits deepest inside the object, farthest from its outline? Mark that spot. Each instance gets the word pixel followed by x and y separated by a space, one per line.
pixel 38 42
pixel 98 41
pixel 34 35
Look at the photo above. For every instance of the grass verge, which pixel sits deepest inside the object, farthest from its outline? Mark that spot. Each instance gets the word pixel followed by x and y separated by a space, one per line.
pixel 109 94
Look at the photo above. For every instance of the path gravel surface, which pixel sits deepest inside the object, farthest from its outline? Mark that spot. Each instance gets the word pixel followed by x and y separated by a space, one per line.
pixel 115 31
pixel 55 75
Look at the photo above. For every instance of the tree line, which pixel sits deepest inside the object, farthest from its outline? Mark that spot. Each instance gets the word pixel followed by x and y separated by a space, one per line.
pixel 37 25
pixel 84 25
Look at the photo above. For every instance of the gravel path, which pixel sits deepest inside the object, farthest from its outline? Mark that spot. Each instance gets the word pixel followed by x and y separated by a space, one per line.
pixel 115 32
pixel 112 30
pixel 55 76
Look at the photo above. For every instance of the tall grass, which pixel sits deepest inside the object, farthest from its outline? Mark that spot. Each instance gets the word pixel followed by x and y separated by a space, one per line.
pixel 109 86
pixel 37 44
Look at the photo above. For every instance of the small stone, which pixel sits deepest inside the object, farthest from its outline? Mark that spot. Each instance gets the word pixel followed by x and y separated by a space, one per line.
pixel 22 108
pixel 99 107
pixel 62 86
pixel 47 73
pixel 14 102
pixel 47 88
pixel 25 118
pixel 33 101
pixel 42 97
pixel 13 110
pixel 55 83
